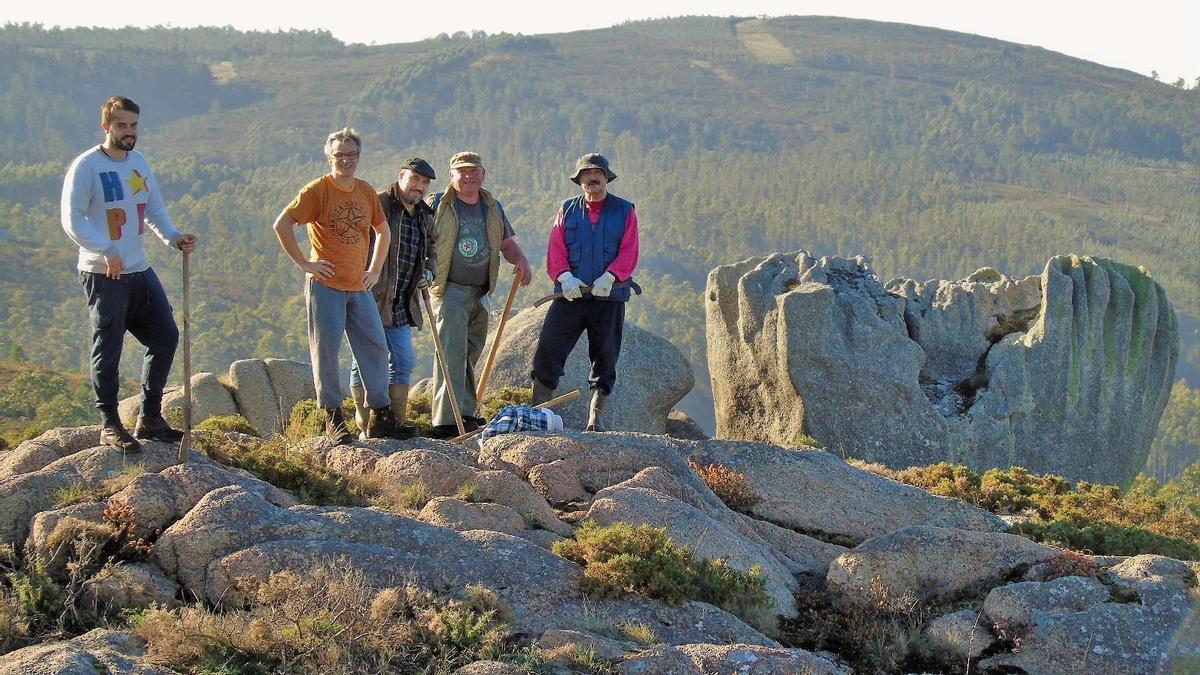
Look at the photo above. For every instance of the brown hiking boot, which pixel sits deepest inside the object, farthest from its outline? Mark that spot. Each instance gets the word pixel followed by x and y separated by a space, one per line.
pixel 155 428
pixel 599 404
pixel 382 424
pixel 335 426
pixel 120 438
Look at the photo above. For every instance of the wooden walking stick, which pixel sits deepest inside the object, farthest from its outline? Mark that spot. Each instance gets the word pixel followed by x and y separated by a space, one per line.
pixel 487 367
pixel 185 443
pixel 552 402
pixel 441 359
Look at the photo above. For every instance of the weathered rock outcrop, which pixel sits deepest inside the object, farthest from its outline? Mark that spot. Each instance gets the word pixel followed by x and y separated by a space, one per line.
pixel 262 391
pixel 988 371
pixel 99 652
pixel 233 536
pixel 224 531
pixel 1072 625
pixel 652 375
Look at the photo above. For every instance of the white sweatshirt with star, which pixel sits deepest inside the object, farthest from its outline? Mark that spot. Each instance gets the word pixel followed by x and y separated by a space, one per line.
pixel 106 206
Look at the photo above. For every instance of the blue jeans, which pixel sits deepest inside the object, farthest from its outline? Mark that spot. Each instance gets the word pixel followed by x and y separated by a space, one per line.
pixel 136 303
pixel 331 314
pixel 402 358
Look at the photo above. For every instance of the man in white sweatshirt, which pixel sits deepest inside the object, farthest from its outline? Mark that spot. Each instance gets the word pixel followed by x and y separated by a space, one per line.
pixel 109 197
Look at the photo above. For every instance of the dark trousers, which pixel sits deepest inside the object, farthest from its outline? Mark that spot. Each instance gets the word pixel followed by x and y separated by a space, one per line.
pixel 136 303
pixel 604 321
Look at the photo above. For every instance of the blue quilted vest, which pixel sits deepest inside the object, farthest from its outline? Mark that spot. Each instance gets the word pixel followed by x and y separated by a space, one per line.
pixel 590 250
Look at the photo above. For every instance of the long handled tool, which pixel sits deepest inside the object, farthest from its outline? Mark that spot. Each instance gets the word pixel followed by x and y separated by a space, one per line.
pixel 552 402
pixel 441 359
pixel 487 367
pixel 185 444
pixel 587 291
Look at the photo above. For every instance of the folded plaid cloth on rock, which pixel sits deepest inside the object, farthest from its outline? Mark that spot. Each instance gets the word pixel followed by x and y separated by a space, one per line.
pixel 514 418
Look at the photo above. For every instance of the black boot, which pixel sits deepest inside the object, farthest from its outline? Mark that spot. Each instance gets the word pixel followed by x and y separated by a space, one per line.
pixel 599 404
pixel 335 427
pixel 541 393
pixel 155 428
pixel 382 424
pixel 116 436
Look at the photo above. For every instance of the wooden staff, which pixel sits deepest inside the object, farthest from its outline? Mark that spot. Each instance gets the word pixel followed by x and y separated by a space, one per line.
pixel 185 443
pixel 487 367
pixel 554 401
pixel 437 348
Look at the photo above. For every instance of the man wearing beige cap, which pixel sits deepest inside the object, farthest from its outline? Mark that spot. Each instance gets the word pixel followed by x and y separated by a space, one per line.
pixel 472 233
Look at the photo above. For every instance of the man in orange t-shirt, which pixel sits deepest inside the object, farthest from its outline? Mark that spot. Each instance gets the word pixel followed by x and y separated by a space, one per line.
pixel 339 211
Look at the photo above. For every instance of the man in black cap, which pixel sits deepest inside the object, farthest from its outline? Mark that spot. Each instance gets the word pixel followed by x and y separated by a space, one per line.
pixel 593 244
pixel 410 266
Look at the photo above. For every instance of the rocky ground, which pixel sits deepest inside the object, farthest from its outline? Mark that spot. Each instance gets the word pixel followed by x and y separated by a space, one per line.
pixel 838 549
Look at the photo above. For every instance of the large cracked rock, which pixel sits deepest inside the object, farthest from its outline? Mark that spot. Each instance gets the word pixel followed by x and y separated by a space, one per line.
pixel 1072 625
pixel 652 375
pixel 931 564
pixel 234 538
pixel 988 371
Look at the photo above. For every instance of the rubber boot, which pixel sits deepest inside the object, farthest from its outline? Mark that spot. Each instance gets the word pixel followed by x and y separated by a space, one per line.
pixel 361 411
pixel 398 393
pixel 599 404
pixel 541 393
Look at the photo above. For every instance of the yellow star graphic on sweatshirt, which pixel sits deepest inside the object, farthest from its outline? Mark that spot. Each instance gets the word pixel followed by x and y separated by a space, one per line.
pixel 137 183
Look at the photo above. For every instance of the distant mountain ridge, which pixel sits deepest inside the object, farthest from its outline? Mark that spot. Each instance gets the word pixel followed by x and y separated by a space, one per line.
pixel 934 152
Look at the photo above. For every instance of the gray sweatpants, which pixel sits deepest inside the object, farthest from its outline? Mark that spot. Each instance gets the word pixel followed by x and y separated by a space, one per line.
pixel 462 323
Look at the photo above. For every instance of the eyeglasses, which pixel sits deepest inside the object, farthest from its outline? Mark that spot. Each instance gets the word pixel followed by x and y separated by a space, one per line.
pixel 345 155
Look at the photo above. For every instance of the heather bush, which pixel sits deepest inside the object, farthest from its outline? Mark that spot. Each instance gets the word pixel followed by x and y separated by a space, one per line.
pixel 1099 519
pixel 329 620
pixel 732 487
pixel 273 461
pixel 227 423
pixel 619 559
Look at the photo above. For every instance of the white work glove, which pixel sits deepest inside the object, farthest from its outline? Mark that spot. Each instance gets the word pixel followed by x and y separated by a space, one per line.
pixel 603 286
pixel 571 286
pixel 426 279
pixel 554 423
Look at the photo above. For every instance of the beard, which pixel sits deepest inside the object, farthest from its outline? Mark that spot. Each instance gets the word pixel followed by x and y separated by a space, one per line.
pixel 410 198
pixel 127 143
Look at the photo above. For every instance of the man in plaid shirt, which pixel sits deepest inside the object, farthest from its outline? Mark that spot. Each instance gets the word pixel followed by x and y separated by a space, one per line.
pixel 410 266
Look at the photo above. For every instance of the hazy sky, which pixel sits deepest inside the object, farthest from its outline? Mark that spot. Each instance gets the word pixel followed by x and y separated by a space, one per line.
pixel 1141 36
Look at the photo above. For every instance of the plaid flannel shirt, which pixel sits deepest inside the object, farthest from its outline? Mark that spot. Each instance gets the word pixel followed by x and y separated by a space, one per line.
pixel 411 265
pixel 514 418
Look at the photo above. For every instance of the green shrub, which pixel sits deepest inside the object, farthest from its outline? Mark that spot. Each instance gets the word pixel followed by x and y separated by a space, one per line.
pixel 272 461
pixel 224 423
pixel 1107 539
pixel 492 403
pixel 621 558
pixel 1102 519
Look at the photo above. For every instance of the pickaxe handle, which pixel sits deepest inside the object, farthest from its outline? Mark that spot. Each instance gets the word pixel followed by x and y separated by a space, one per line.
pixel 587 290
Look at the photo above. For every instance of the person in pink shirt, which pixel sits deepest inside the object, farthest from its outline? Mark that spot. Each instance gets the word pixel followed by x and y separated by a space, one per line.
pixel 593 245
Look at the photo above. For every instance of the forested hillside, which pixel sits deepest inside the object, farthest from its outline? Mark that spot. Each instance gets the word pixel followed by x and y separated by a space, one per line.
pixel 933 152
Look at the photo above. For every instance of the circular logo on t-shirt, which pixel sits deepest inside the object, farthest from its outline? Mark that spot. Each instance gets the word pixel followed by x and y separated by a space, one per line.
pixel 348 223
pixel 468 248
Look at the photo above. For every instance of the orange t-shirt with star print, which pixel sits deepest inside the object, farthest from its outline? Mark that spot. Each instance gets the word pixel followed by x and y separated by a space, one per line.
pixel 339 224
